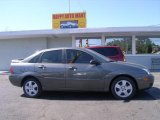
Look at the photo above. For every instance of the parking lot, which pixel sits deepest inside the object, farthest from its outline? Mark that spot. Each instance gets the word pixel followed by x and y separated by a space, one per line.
pixel 77 105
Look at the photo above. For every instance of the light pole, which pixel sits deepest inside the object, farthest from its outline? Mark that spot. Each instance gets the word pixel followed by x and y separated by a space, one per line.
pixel 69 6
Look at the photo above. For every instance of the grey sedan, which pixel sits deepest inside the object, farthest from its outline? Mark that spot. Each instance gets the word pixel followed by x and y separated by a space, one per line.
pixel 78 69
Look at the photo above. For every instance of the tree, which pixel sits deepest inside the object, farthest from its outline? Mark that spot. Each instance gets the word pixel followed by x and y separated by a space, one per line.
pixel 124 43
pixel 143 44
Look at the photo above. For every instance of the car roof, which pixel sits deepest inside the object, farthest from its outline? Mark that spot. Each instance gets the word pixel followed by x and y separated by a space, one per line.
pixel 91 52
pixel 60 48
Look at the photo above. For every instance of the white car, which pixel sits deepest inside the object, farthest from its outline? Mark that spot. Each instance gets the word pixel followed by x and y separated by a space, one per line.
pixel 157 52
pixel 69 25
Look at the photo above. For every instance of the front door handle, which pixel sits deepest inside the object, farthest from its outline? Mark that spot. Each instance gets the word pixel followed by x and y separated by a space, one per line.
pixel 73 68
pixel 42 67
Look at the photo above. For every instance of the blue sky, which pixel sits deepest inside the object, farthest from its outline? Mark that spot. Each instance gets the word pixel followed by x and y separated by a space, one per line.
pixel 37 14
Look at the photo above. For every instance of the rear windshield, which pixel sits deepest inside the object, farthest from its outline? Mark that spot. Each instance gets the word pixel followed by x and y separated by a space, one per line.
pixel 106 51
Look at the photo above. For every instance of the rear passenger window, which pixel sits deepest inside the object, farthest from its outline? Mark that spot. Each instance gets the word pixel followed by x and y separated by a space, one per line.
pixel 106 51
pixel 54 56
pixel 35 59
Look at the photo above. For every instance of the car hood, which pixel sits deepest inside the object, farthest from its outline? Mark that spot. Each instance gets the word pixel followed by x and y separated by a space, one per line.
pixel 124 67
pixel 134 65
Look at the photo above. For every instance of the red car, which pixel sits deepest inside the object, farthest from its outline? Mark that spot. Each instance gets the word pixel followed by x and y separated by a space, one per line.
pixel 113 52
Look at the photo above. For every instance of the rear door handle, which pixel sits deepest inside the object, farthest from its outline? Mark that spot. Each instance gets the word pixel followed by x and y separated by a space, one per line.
pixel 42 67
pixel 73 68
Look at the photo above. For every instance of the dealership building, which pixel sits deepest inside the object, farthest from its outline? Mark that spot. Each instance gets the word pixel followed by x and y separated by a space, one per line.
pixel 20 44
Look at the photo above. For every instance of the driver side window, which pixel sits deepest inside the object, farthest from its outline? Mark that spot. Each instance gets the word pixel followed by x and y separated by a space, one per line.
pixel 77 56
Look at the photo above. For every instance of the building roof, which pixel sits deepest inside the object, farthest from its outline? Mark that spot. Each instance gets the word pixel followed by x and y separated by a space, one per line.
pixel 83 32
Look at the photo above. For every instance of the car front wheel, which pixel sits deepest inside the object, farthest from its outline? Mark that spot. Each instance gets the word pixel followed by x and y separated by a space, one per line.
pixel 32 88
pixel 123 88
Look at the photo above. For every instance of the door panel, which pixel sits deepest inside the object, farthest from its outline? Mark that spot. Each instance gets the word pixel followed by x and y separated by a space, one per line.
pixel 51 68
pixel 53 75
pixel 80 74
pixel 84 77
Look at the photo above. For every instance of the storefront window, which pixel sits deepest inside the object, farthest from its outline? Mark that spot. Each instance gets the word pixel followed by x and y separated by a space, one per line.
pixel 86 42
pixel 148 45
pixel 125 43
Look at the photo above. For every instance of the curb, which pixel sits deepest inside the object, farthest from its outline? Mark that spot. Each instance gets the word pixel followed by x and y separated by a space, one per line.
pixel 4 72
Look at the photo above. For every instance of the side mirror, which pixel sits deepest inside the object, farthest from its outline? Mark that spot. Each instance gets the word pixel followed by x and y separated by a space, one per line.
pixel 94 62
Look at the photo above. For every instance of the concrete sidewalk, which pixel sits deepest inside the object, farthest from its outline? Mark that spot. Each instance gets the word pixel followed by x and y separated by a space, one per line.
pixel 4 72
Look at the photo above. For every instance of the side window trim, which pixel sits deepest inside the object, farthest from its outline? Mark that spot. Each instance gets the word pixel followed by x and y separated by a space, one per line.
pixel 39 59
pixel 39 56
pixel 63 56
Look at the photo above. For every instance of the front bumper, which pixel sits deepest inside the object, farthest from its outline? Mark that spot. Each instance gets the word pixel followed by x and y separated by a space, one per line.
pixel 145 81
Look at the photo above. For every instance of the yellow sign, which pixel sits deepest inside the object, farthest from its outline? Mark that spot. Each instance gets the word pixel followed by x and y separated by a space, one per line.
pixel 69 20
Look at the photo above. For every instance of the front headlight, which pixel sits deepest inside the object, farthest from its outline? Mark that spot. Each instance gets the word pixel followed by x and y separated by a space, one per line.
pixel 147 71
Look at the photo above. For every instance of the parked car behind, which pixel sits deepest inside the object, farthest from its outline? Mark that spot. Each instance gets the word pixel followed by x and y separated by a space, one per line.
pixel 113 52
pixel 78 69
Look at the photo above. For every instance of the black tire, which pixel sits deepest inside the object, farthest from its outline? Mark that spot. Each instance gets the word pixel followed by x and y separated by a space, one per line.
pixel 123 88
pixel 32 88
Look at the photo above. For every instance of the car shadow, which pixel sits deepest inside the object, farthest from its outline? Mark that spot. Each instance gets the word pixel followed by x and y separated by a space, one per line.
pixel 151 94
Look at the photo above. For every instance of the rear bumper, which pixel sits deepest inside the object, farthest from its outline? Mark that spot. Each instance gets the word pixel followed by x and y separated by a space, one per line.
pixel 15 80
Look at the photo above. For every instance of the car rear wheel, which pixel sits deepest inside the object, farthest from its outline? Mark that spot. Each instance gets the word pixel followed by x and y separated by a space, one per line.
pixel 32 88
pixel 123 88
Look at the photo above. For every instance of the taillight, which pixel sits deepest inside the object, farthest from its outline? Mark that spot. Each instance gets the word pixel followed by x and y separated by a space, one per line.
pixel 11 70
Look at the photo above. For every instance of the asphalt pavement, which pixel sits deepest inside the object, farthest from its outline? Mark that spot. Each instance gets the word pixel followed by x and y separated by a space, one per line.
pixel 77 105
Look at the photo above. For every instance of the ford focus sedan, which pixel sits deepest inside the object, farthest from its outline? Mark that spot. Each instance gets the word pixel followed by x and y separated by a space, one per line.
pixel 78 69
